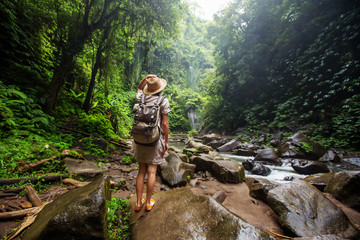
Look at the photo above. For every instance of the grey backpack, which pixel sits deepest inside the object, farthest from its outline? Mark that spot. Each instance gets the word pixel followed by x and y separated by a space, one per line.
pixel 147 118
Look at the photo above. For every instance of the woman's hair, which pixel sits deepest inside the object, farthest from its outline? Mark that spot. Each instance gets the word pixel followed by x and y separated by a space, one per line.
pixel 158 94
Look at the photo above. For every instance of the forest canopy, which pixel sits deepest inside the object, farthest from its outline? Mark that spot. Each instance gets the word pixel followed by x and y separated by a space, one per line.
pixel 264 66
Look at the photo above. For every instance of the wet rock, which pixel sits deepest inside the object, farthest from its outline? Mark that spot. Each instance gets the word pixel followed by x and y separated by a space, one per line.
pixel 216 143
pixel 299 146
pixel 289 178
pixel 321 237
pixel 330 156
pixel 176 172
pixel 244 152
pixel 181 214
pixel 223 170
pixel 219 196
pixel 211 137
pixel 230 146
pixel 174 149
pixel 260 169
pixel 306 212
pixel 319 180
pixel 268 156
pixel 309 167
pixel 345 187
pixel 259 187
pixel 201 148
pixel 248 165
pixel 86 169
pixel 79 214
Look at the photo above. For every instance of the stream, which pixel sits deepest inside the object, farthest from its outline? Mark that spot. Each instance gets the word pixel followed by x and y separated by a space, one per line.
pixel 277 175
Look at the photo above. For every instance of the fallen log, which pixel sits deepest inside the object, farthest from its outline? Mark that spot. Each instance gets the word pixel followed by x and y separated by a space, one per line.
pixel 51 178
pixel 89 135
pixel 3 195
pixel 74 182
pixel 17 214
pixel 32 196
pixel 25 167
pixel 28 221
pixel 13 190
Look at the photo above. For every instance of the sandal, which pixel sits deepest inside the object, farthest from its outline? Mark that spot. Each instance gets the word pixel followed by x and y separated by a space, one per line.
pixel 138 208
pixel 150 206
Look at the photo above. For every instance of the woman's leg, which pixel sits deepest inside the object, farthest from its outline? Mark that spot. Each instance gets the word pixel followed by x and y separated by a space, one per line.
pixel 151 171
pixel 140 182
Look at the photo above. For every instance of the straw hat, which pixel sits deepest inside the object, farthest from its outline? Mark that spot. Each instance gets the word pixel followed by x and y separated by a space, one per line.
pixel 154 85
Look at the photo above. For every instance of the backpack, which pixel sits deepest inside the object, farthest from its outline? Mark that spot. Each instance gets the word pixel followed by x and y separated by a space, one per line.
pixel 146 127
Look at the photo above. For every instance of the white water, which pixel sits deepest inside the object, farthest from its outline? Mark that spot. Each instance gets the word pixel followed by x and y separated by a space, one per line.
pixel 277 175
pixel 194 119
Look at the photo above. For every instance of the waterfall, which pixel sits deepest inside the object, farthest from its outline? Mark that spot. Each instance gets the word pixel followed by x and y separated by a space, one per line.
pixel 194 119
pixel 192 83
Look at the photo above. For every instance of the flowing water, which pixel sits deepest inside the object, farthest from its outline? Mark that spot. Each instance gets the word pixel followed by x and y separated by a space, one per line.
pixel 277 175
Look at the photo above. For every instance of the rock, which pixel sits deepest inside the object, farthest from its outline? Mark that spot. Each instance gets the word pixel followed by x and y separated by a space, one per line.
pixel 306 212
pixel 176 172
pixel 299 146
pixel 260 169
pixel 219 196
pixel 309 167
pixel 182 157
pixel 174 149
pixel 259 187
pixel 194 182
pixel 330 156
pixel 248 165
pixel 181 214
pixel 216 143
pixel 211 137
pixel 77 214
pixel 345 187
pixel 228 147
pixel 319 180
pixel 102 143
pixel 321 237
pixel 223 170
pixel 268 156
pixel 83 168
pixel 289 178
pixel 352 160
pixel 201 148
pixel 244 152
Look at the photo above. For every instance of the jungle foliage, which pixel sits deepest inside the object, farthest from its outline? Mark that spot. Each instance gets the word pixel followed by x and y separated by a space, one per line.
pixel 288 66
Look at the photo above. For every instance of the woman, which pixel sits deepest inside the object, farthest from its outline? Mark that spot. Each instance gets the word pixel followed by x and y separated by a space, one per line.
pixel 149 157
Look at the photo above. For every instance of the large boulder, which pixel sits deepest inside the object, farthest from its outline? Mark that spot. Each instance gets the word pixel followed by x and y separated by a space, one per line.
pixel 259 187
pixel 245 152
pixel 201 148
pixel 268 156
pixel 83 168
pixel 345 187
pixel 260 169
pixel 79 214
pixel 330 156
pixel 230 146
pixel 211 137
pixel 309 167
pixel 321 237
pixel 299 146
pixel 306 212
pixel 181 214
pixel 176 172
pixel 223 170
pixel 216 143
pixel 319 180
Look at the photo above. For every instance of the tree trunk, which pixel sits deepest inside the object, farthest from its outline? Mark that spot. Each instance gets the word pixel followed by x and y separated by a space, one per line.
pixel 89 93
pixel 58 82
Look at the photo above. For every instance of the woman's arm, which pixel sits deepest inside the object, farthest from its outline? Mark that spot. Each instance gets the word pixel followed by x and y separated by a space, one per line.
pixel 165 128
pixel 143 82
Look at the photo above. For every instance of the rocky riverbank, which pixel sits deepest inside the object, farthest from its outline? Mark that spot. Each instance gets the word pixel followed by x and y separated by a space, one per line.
pixel 201 194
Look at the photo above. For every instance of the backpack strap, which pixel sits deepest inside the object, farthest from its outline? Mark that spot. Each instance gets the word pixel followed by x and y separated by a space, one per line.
pixel 159 100
pixel 143 99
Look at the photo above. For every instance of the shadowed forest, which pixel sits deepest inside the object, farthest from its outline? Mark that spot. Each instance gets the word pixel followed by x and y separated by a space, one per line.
pixel 259 68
